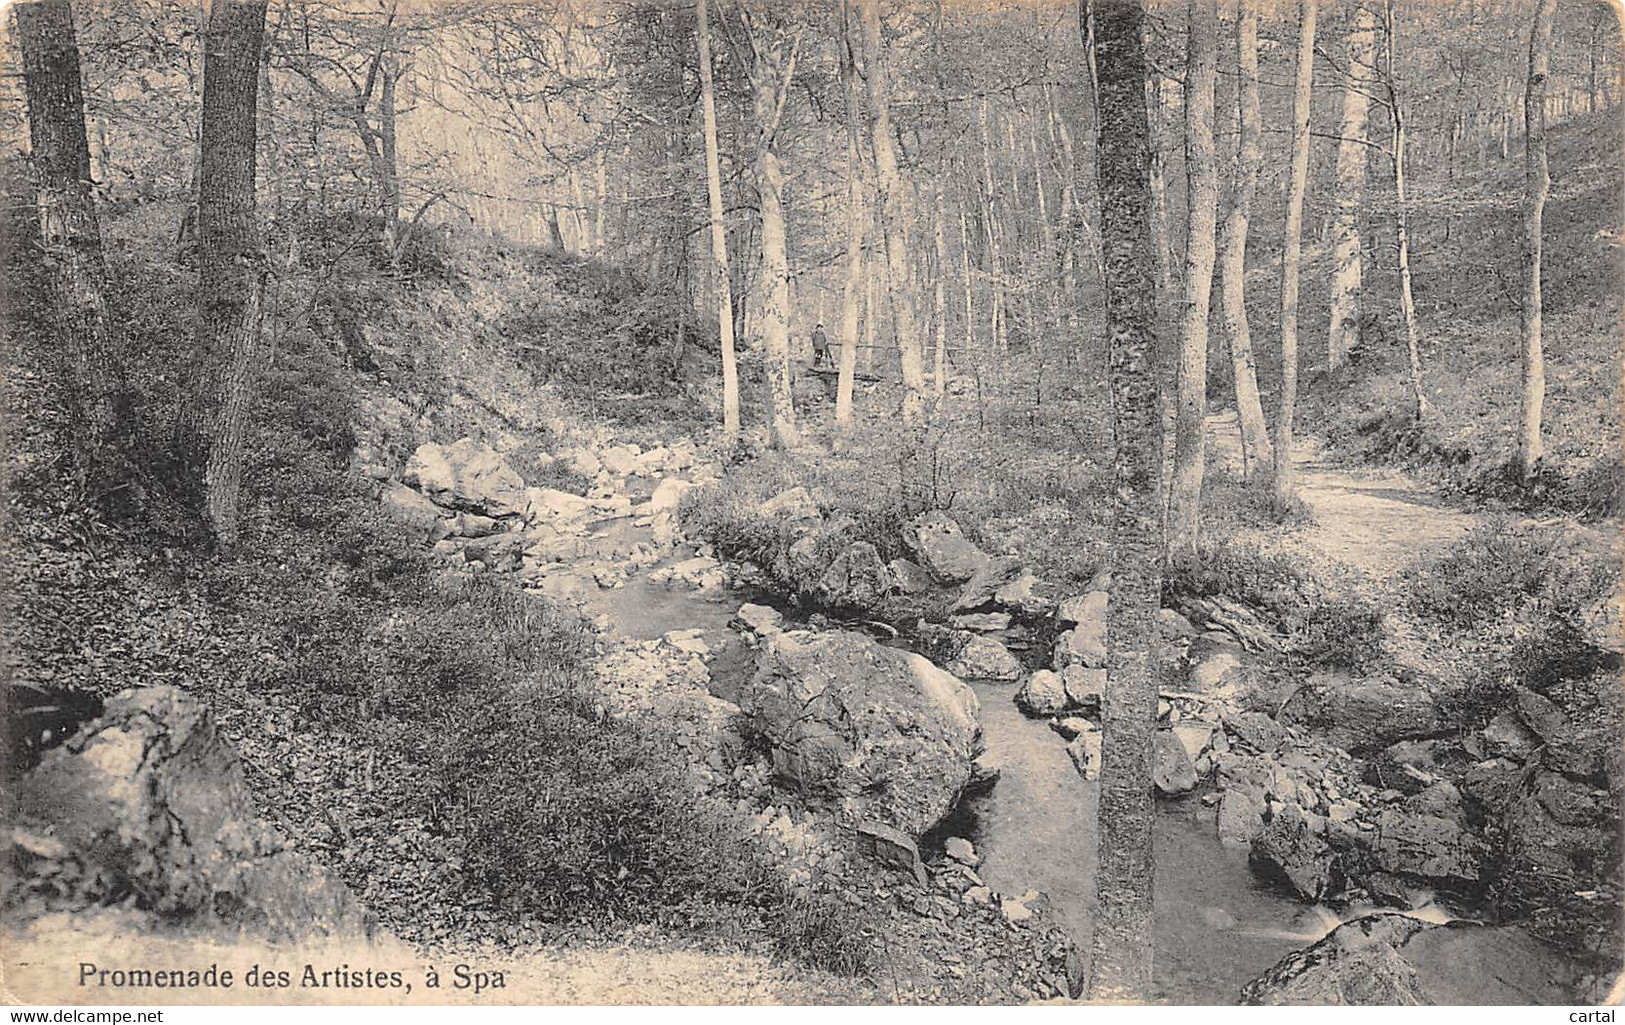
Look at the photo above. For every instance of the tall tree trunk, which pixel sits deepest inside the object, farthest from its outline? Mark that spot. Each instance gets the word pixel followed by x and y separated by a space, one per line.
pixel 231 264
pixel 891 206
pixel 1537 183
pixel 1255 435
pixel 1201 171
pixel 1070 214
pixel 939 373
pixel 970 292
pixel 71 234
pixel 856 216
pixel 1352 156
pixel 871 310
pixel 1159 97
pixel 1123 945
pixel 601 173
pixel 1291 256
pixel 775 269
pixel 719 235
pixel 390 185
pixel 995 267
pixel 1402 234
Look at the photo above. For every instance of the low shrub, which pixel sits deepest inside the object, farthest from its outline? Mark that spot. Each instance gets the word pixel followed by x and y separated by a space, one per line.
pixel 569 816
pixel 1518 594
pixel 1314 604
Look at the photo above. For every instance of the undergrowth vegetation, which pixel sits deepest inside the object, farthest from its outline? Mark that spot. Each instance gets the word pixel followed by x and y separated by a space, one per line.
pixel 1008 489
pixel 432 740
pixel 1314 604
pixel 1527 601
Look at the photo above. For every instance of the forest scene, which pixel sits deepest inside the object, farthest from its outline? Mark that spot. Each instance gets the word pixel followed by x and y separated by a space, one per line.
pixel 953 502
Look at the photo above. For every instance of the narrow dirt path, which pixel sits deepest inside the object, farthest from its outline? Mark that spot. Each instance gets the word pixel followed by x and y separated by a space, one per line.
pixel 1377 521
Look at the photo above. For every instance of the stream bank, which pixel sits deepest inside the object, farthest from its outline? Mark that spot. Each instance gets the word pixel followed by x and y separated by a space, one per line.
pixel 1269 836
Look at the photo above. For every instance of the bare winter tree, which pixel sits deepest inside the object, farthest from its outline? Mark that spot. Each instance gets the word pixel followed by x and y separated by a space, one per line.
pixel 1352 156
pixel 1255 439
pixel 892 209
pixel 774 51
pixel 719 237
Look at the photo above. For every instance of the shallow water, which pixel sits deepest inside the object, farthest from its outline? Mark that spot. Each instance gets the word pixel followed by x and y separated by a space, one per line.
pixel 1218 927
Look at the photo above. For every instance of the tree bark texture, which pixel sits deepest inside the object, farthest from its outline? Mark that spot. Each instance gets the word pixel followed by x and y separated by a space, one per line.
pixel 1537 180
pixel 1352 156
pixel 1255 436
pixel 70 233
pixel 231 263
pixel 856 217
pixel 1402 233
pixel 1292 256
pixel 1123 946
pixel 1201 170
pixel 892 207
pixel 719 235
pixel 775 273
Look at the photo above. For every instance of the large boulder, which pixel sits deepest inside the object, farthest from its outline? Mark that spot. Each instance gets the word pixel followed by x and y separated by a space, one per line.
pixel 858 579
pixel 1241 815
pixel 410 509
pixel 1428 846
pixel 1368 714
pixel 909 577
pixel 796 504
pixel 1085 687
pixel 759 619
pixel 467 476
pixel 1083 640
pixel 1505 736
pixel 1556 842
pixel 983 658
pixel 980 592
pixel 1172 770
pixel 1084 750
pixel 1357 964
pixel 1568 747
pixel 558 509
pixel 1256 730
pixel 1290 850
pixel 883 731
pixel 1024 596
pixel 147 806
pixel 942 549
pixel 1042 694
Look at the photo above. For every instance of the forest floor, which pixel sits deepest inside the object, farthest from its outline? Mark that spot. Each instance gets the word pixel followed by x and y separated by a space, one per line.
pixel 1377 521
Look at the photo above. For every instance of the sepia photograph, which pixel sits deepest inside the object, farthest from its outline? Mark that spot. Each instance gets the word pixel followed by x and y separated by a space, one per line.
pixel 594 503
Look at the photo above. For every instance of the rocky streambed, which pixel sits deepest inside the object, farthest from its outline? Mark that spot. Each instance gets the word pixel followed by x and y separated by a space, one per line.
pixel 1289 805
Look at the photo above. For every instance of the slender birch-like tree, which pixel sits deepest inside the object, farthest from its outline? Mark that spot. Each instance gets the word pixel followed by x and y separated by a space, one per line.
pixel 719 235
pixel 1201 170
pixel 1285 483
pixel 1255 436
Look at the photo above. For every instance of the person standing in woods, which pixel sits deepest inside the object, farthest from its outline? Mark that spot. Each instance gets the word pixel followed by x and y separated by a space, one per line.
pixel 820 347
